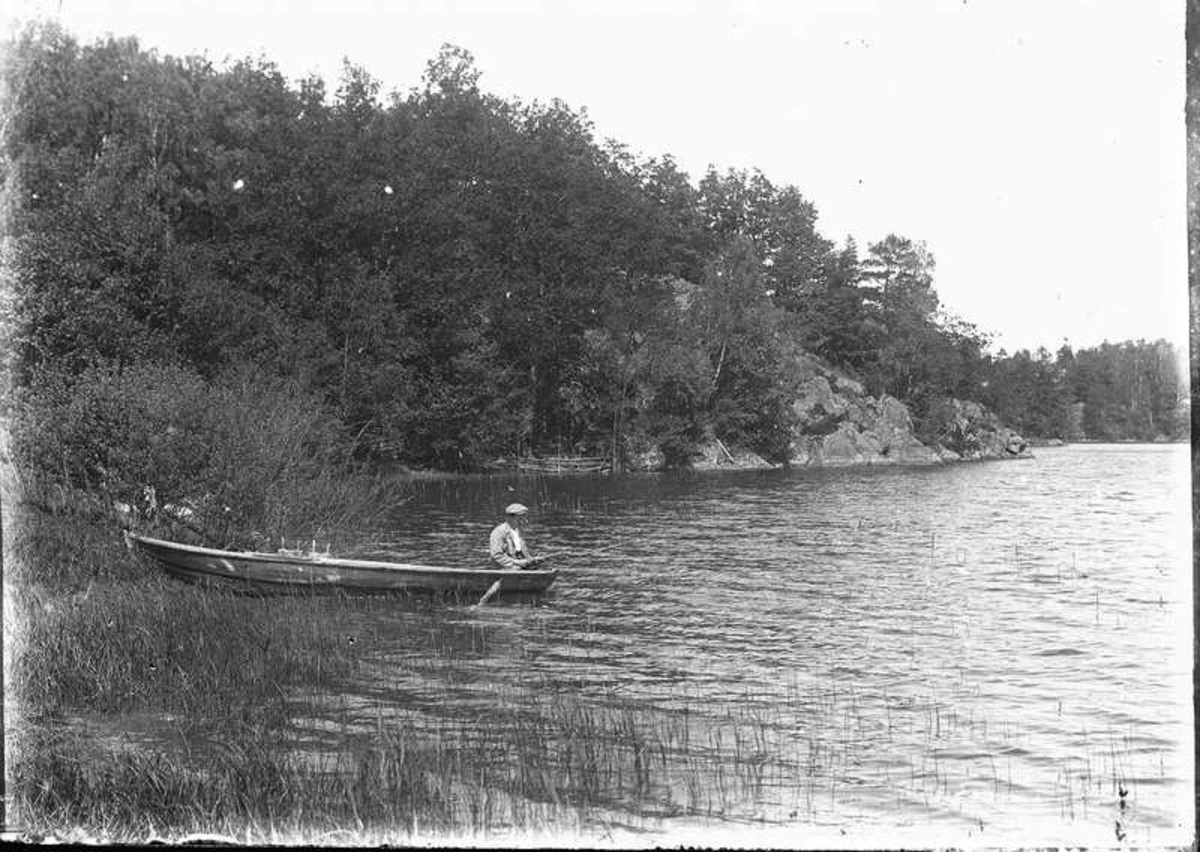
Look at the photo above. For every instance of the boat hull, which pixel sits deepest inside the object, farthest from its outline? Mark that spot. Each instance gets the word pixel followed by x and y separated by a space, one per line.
pixel 553 465
pixel 281 572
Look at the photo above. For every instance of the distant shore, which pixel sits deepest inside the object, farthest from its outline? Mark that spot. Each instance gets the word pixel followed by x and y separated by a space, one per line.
pixel 1059 442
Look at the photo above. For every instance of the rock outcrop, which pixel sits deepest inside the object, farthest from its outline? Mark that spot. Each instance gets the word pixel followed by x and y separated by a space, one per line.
pixel 840 425
pixel 971 432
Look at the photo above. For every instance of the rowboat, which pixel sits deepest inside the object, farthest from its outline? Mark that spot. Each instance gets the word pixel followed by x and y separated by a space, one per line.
pixel 291 571
pixel 553 464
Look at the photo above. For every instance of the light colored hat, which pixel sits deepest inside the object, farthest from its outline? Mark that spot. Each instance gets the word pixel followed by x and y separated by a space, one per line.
pixel 515 509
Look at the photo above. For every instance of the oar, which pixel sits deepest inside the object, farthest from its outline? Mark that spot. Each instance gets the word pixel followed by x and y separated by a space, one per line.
pixel 605 550
pixel 488 594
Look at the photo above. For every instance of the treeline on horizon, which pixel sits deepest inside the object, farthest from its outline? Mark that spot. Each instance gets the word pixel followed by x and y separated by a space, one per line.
pixel 444 277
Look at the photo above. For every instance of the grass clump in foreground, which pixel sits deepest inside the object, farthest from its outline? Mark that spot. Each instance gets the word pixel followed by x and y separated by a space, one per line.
pixel 158 645
pixel 261 790
pixel 565 769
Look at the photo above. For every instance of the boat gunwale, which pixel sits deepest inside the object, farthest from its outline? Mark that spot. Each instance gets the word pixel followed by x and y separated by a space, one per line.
pixel 331 562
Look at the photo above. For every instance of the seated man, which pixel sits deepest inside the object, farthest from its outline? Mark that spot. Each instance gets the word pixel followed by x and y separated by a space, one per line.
pixel 507 546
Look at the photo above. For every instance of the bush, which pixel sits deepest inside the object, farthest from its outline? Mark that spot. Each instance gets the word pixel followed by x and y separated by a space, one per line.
pixel 111 430
pixel 244 459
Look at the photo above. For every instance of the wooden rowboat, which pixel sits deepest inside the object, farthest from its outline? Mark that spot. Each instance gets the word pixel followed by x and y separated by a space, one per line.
pixel 287 572
pixel 553 464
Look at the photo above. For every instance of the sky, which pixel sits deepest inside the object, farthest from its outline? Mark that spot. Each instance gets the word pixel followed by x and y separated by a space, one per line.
pixel 1036 148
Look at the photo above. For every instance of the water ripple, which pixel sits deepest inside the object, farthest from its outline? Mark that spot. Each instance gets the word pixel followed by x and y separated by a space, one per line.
pixel 988 644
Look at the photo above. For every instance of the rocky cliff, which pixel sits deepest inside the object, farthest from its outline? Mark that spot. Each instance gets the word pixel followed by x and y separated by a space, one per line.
pixel 840 425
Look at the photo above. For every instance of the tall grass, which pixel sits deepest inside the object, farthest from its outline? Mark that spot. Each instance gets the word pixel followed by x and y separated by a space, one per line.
pixel 61 547
pixel 167 646
pixel 257 791
pixel 565 769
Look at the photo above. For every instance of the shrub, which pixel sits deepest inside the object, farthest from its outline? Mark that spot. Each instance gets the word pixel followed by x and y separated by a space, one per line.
pixel 110 429
pixel 244 459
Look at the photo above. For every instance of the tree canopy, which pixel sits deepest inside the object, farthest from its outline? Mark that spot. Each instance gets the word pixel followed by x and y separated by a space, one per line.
pixel 459 276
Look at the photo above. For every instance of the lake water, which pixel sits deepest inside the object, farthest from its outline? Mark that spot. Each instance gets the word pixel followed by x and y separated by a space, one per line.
pixel 990 653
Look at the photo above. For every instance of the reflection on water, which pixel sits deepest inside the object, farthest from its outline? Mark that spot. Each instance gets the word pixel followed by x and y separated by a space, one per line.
pixel 991 652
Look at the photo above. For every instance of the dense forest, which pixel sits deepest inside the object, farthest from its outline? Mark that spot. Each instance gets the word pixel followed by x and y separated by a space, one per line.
pixel 441 276
pixel 1113 392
